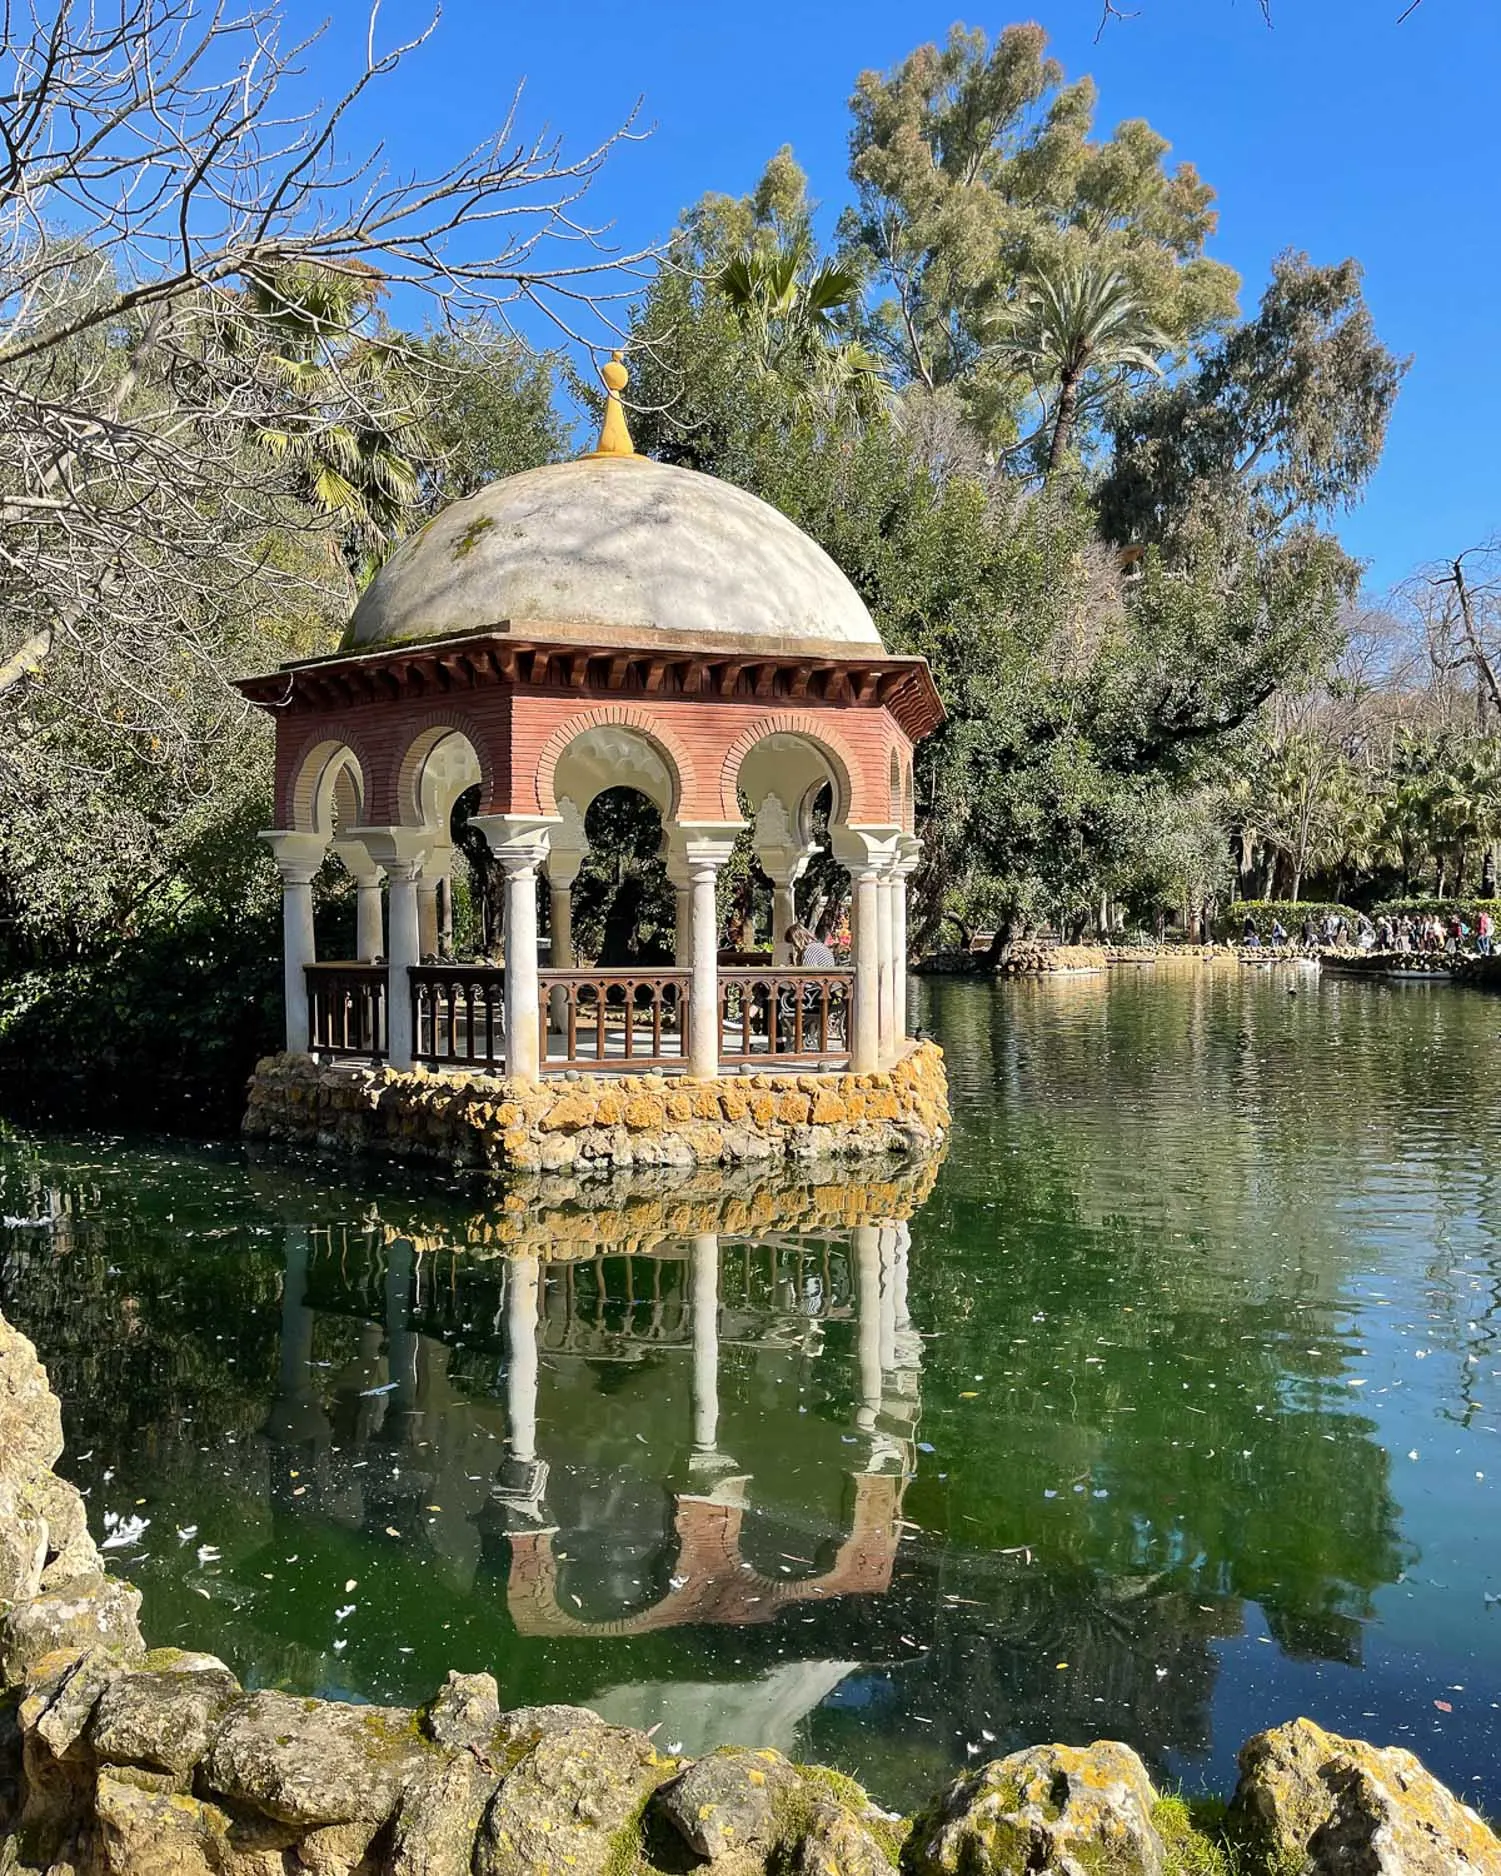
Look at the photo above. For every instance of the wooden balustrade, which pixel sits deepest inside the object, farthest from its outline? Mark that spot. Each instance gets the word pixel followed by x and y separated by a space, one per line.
pixel 599 1019
pixel 346 1007
pixel 781 1014
pixel 458 1015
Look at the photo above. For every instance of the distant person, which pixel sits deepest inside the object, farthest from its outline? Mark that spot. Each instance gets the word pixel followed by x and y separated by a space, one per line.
pixel 1279 932
pixel 809 953
pixel 1308 936
pixel 1249 936
pixel 1485 929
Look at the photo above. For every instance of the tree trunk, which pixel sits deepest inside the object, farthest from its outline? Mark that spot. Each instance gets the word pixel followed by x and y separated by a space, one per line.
pixel 1003 938
pixel 1488 873
pixel 1297 885
pixel 1064 419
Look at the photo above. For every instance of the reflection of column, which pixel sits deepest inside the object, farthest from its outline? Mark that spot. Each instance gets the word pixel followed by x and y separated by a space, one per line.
pixel 887 1238
pixel 401 1342
pixel 705 1279
pixel 298 857
pixel 296 1417
pixel 523 1278
pixel 868 1345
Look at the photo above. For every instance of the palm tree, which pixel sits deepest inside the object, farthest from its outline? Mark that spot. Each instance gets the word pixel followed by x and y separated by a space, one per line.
pixel 1075 321
pixel 351 424
pixel 797 316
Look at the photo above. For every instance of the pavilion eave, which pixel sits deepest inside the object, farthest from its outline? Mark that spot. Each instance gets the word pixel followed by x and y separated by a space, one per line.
pixel 432 668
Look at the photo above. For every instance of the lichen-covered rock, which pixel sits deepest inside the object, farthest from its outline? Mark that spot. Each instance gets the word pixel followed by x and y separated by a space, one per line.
pixel 23 1544
pixel 464 1711
pixel 56 1707
pixel 163 1717
pixel 833 1842
pixel 338 1849
pixel 440 1817
pixel 1340 1807
pixel 80 1613
pixel 1058 1810
pixel 562 1809
pixel 146 1833
pixel 312 1762
pixel 727 1801
pixel 31 1419
pixel 524 1726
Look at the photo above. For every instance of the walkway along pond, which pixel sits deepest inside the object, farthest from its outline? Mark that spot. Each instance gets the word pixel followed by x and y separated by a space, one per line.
pixel 1178 1395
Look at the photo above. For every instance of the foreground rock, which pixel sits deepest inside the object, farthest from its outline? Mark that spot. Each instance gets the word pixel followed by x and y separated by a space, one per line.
pixel 119 1762
pixel 1065 1810
pixel 1326 1806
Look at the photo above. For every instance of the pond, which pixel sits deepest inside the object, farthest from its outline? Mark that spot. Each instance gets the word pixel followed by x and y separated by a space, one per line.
pixel 1169 1412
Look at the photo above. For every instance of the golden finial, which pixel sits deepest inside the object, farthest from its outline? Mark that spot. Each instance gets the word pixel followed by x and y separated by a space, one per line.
pixel 614 437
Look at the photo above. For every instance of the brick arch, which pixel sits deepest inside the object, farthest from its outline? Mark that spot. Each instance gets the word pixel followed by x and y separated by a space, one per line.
pixel 667 744
pixel 297 786
pixel 397 785
pixel 849 780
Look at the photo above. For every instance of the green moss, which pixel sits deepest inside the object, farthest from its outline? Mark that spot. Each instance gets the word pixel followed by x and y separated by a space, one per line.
pixel 627 1854
pixel 1198 1841
pixel 471 537
pixel 890 1833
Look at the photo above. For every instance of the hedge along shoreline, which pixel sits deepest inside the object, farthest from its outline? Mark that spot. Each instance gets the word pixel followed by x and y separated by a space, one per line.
pixel 1229 924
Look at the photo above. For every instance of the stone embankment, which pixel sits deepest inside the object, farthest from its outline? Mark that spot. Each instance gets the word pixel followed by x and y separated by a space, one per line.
pixel 599 1123
pixel 116 1760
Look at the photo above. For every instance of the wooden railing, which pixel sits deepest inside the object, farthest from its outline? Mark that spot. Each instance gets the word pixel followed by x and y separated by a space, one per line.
pixel 346 1009
pixel 784 1014
pixel 458 1015
pixel 599 1019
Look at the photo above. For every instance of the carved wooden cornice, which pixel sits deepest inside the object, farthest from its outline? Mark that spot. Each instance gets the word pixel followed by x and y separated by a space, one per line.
pixel 436 668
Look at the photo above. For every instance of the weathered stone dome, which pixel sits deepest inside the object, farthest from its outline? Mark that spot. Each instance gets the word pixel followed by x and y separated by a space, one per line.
pixel 619 549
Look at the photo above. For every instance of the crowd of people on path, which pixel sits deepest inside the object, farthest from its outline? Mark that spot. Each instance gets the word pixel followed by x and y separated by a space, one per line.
pixel 1407 933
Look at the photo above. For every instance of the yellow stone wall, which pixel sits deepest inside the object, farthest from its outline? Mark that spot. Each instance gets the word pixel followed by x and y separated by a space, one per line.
pixel 600 1122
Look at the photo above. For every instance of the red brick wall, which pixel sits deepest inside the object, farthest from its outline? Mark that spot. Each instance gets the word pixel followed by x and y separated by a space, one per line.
pixel 519 735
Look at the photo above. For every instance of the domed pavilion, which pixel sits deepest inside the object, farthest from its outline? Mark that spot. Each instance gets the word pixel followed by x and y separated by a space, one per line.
pixel 607 622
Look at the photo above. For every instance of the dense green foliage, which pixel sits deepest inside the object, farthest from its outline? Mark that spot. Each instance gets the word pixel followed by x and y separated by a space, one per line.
pixel 1014 402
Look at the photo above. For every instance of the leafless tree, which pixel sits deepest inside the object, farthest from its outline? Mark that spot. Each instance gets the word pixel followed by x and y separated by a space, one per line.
pixel 166 210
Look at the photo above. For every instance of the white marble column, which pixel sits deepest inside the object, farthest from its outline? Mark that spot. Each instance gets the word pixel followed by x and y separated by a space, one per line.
pixel 298 857
pixel 403 954
pixel 703 1001
pixel 909 848
pixel 523 1005
pixel 865 1042
pixel 886 965
pixel 369 918
pixel 866 854
pixel 427 917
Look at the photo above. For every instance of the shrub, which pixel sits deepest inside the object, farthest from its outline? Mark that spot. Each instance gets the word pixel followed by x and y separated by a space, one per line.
pixel 1229 924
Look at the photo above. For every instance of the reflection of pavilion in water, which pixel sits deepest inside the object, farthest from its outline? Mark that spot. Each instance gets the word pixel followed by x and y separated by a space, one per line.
pixel 630 1495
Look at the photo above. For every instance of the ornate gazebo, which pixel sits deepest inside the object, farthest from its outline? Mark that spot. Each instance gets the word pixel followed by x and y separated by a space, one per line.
pixel 604 622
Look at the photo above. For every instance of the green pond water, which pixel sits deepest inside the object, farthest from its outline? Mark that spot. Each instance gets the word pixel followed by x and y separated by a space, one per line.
pixel 1170 1413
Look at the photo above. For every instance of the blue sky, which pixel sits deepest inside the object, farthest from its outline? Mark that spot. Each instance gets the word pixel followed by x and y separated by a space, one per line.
pixel 1338 132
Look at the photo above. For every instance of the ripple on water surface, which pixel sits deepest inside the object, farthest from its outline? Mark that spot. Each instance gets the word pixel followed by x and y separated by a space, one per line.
pixel 1170 1412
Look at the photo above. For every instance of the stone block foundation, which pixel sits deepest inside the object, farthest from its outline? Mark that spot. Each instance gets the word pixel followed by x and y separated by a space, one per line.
pixel 599 1123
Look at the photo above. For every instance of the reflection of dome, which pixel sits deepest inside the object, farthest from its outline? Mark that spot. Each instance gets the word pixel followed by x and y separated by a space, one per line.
pixel 618 546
